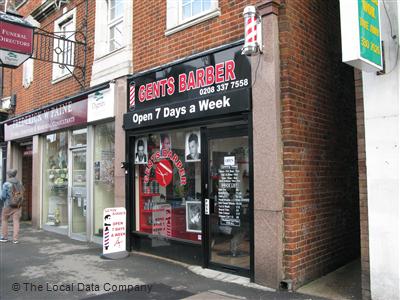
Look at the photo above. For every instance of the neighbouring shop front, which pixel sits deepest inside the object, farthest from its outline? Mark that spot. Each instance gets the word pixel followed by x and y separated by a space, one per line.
pixel 190 194
pixel 72 144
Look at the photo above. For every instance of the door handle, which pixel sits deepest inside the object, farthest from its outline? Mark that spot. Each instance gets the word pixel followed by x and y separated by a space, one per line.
pixel 207 207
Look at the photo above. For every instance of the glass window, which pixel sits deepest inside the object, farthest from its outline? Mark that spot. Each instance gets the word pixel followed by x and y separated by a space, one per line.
pixel 115 24
pixel 104 153
pixel 168 184
pixel 27 73
pixel 63 47
pixel 180 12
pixel 79 137
pixel 191 8
pixel 116 8
pixel 55 180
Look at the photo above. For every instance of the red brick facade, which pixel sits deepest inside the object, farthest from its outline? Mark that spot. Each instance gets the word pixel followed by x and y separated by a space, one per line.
pixel 42 91
pixel 319 142
pixel 152 48
pixel 319 134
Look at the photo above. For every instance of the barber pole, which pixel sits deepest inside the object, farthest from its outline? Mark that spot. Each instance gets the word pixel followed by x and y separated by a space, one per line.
pixel 252 31
pixel 132 96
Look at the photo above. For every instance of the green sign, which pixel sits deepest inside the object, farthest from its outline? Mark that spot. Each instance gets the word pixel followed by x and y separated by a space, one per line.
pixel 370 40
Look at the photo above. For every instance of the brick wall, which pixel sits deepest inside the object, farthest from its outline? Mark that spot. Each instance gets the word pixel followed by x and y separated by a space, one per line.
pixel 321 212
pixel 362 180
pixel 42 91
pixel 152 48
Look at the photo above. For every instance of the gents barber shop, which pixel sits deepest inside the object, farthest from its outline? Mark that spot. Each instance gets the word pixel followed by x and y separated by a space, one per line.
pixel 189 160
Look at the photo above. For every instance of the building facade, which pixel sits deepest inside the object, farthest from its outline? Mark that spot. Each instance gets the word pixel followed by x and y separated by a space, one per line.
pixel 299 133
pixel 247 164
pixel 61 132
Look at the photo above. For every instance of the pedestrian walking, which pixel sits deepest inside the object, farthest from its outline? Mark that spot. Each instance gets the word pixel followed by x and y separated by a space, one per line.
pixel 12 196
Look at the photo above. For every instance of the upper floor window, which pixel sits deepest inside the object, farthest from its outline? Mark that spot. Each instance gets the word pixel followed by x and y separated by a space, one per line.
pixel 115 24
pixel 27 73
pixel 185 13
pixel 192 8
pixel 63 53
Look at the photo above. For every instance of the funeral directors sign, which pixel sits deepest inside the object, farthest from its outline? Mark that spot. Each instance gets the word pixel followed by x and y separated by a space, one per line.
pixel 56 117
pixel 16 40
pixel 214 84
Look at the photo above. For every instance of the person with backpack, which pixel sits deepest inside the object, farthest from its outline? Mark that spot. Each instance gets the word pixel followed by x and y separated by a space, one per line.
pixel 12 196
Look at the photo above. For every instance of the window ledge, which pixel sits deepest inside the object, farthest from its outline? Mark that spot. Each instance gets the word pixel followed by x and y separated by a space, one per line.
pixel 61 78
pixel 111 53
pixel 204 17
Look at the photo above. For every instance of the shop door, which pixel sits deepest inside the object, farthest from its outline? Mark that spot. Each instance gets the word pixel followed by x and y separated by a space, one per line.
pixel 227 201
pixel 78 200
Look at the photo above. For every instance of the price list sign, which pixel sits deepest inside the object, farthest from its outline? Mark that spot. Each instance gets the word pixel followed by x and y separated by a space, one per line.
pixel 229 195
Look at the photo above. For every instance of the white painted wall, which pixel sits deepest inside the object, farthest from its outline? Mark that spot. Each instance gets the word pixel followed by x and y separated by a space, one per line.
pixel 111 65
pixel 381 104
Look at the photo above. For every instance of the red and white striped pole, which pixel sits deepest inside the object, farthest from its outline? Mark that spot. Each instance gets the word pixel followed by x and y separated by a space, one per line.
pixel 132 96
pixel 252 33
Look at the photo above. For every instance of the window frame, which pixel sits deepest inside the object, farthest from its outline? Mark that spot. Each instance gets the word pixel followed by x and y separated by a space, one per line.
pixel 177 18
pixel 67 19
pixel 27 72
pixel 113 23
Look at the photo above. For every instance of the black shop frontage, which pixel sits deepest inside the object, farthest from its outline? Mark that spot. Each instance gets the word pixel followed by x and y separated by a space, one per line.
pixel 189 161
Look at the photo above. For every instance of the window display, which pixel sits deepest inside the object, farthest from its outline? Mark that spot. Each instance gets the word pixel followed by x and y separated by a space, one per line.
pixel 104 153
pixel 55 180
pixel 141 150
pixel 168 186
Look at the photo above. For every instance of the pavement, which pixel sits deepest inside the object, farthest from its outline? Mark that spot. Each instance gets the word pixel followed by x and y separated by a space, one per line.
pixel 342 284
pixel 46 265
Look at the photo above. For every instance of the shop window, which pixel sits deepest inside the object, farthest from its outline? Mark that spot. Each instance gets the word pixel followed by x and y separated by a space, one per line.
pixel 55 180
pixel 104 153
pixel 115 24
pixel 27 73
pixel 185 13
pixel 168 184
pixel 63 52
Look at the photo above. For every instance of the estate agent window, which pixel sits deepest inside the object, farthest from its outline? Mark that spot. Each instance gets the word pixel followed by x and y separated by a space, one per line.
pixel 167 184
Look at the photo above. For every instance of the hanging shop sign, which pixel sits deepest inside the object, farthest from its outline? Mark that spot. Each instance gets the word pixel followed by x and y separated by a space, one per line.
pixel 114 231
pixel 50 119
pixel 214 84
pixel 101 104
pixel 16 40
pixel 361 34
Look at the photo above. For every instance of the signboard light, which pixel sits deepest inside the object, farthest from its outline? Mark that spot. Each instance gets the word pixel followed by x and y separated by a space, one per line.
pixel 252 31
pixel 361 34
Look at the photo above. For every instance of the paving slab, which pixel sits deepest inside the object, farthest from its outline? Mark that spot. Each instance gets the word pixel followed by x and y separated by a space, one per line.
pixel 47 265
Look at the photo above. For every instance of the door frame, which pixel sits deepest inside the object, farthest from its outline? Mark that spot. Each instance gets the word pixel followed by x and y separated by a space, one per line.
pixel 208 134
pixel 71 234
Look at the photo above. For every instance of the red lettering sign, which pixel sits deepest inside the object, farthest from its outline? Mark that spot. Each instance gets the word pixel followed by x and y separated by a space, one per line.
pixel 16 38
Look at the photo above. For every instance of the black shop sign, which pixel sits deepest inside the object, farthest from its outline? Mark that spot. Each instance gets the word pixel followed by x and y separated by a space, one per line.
pixel 214 84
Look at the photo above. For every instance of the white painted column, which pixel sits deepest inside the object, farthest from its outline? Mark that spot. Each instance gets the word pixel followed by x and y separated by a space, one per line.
pixel 381 103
